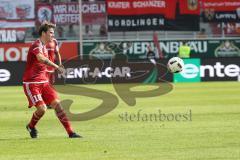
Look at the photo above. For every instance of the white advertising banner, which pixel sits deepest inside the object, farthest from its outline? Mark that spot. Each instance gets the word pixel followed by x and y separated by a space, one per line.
pixel 15 14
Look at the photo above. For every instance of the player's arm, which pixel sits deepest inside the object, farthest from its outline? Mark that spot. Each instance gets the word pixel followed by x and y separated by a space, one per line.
pixel 59 58
pixel 58 54
pixel 46 61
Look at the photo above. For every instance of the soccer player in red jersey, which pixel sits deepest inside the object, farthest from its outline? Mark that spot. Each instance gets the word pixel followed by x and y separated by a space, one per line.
pixel 36 86
pixel 53 51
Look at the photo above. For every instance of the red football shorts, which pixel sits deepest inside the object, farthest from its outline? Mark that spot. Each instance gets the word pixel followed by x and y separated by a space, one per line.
pixel 39 94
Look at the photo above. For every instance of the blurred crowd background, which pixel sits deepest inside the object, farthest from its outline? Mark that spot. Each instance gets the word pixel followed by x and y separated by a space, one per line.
pixel 97 29
pixel 153 30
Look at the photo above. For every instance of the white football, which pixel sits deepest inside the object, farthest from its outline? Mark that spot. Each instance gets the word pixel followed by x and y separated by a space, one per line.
pixel 175 65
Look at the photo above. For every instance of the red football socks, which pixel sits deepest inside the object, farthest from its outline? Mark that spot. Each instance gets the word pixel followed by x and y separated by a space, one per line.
pixel 35 118
pixel 63 119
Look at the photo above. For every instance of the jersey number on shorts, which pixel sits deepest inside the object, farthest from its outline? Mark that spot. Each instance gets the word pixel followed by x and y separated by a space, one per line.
pixel 37 97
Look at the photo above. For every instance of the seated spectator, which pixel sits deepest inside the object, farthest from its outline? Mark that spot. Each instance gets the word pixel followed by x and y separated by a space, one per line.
pixel 88 31
pixel 71 32
pixel 35 32
pixel 60 31
pixel 103 30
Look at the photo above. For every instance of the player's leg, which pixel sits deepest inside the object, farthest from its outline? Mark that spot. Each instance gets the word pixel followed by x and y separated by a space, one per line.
pixel 51 98
pixel 34 95
pixel 56 105
pixel 37 115
pixel 51 79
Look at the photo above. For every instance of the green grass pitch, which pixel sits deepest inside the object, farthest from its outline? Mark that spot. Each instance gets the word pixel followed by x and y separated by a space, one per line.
pixel 213 133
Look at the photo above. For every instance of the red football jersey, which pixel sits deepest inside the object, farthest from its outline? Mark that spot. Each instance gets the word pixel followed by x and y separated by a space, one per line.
pixel 35 71
pixel 52 48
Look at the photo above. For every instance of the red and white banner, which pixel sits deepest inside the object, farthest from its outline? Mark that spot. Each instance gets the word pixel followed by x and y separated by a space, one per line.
pixel 94 13
pixel 142 7
pixel 189 7
pixel 69 50
pixel 18 51
pixel 15 14
pixel 221 5
pixel 44 13
pixel 68 13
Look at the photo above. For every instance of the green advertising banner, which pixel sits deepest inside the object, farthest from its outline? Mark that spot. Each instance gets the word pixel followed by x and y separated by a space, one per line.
pixel 139 49
pixel 190 73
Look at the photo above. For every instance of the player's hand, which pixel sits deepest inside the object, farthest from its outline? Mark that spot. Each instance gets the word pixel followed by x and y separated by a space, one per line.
pixel 60 65
pixel 61 69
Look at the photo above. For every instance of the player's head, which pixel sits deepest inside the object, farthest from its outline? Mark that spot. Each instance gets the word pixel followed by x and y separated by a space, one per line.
pixel 46 31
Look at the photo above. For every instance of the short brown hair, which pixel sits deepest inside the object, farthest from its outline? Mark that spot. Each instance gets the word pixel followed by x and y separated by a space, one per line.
pixel 45 26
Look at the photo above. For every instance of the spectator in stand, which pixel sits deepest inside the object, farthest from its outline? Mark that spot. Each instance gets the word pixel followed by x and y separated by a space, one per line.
pixel 202 33
pixel 238 28
pixel 35 32
pixel 60 32
pixel 88 31
pixel 71 32
pixel 184 50
pixel 103 30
